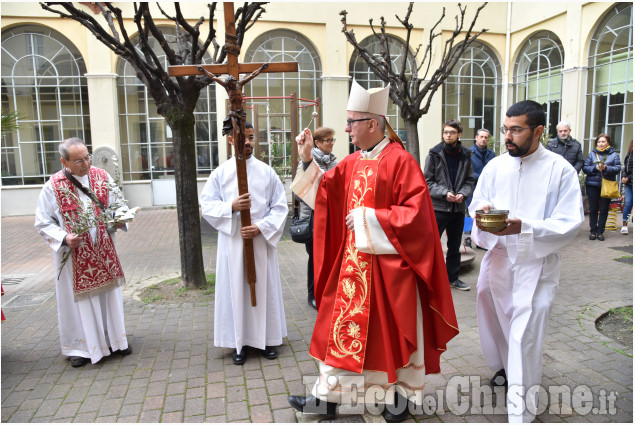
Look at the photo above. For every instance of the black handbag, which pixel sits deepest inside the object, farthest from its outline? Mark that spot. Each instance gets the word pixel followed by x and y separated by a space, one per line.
pixel 301 229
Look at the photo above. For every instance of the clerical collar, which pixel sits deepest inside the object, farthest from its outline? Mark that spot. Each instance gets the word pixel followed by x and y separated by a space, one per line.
pixel 375 150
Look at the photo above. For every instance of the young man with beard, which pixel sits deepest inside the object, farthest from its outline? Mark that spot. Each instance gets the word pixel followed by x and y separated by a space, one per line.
pixel 236 323
pixel 520 273
pixel 450 179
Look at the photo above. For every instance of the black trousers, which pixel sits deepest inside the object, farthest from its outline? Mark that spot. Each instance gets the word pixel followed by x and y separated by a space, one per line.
pixel 309 270
pixel 452 223
pixel 597 222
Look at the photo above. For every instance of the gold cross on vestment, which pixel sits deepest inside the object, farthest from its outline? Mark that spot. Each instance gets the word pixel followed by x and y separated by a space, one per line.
pixel 235 122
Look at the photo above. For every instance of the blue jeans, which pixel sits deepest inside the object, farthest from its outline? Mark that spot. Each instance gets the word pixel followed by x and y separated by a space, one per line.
pixel 628 201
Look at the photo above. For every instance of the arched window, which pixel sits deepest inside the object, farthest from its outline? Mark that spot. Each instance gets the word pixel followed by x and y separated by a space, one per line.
pixel 146 138
pixel 43 81
pixel 472 92
pixel 270 112
pixel 360 71
pixel 610 79
pixel 538 74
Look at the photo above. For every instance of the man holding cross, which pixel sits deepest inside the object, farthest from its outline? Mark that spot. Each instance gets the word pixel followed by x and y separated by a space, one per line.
pixel 236 322
pixel 385 312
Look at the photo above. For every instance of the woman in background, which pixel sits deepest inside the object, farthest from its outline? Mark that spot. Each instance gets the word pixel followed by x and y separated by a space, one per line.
pixel 602 162
pixel 323 156
pixel 627 181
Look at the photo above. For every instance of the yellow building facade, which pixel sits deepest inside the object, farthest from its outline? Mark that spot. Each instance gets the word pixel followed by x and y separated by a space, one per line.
pixel 573 58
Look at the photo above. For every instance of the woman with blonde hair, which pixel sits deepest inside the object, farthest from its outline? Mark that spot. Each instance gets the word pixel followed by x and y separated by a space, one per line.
pixel 322 153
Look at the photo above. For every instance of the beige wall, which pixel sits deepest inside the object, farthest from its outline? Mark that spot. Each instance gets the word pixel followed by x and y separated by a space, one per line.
pixel 572 22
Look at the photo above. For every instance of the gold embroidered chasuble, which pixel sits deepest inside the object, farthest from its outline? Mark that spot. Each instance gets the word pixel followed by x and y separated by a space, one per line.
pixel 351 311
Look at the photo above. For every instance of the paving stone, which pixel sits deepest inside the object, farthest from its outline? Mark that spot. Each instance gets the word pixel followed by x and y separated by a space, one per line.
pixel 237 410
pixel 215 407
pixel 153 403
pixel 236 394
pixel 260 414
pixel 257 396
pixel 176 374
pixel 276 386
pixel 174 403
pixel 110 407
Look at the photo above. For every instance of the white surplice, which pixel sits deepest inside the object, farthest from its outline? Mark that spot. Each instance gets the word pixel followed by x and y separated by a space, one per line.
pixel 236 322
pixel 87 327
pixel 520 273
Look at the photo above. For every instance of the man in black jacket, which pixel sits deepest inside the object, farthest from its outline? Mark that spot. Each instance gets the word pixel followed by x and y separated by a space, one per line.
pixel 450 178
pixel 566 146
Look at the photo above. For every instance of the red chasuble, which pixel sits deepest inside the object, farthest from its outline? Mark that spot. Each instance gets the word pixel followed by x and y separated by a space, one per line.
pixel 376 329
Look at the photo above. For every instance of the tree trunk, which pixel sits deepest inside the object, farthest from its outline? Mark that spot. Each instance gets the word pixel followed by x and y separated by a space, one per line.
pixel 189 222
pixel 412 139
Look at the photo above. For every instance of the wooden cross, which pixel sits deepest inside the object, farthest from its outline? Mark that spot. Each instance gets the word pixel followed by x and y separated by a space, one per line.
pixel 236 119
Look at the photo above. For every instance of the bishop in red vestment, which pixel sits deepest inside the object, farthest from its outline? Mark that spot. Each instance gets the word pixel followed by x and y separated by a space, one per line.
pixel 385 312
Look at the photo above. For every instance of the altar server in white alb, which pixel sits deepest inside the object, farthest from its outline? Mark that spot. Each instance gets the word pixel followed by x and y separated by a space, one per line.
pixel 88 287
pixel 237 323
pixel 520 272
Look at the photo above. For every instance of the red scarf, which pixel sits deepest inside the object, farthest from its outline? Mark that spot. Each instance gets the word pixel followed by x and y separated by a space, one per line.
pixel 96 266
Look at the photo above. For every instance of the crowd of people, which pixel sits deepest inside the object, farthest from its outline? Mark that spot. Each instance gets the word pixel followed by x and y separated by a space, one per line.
pixel 376 272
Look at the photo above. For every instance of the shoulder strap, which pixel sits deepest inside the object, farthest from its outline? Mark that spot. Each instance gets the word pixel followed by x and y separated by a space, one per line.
pixel 81 187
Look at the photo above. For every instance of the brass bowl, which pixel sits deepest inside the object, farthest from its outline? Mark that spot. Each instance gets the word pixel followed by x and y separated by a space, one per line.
pixel 493 221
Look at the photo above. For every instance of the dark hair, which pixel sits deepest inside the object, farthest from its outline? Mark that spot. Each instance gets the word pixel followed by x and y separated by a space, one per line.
pixel 630 146
pixel 455 124
pixel 485 130
pixel 535 115
pixel 322 132
pixel 247 125
pixel 606 136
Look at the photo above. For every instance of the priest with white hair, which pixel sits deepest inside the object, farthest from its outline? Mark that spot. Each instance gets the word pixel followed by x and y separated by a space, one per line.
pixel 385 312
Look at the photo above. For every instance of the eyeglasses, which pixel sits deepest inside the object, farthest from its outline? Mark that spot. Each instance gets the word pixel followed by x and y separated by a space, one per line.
pixel 515 131
pixel 327 140
pixel 349 122
pixel 80 162
pixel 451 132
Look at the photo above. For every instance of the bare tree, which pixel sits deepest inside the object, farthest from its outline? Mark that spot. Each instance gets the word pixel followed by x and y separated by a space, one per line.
pixel 411 91
pixel 175 98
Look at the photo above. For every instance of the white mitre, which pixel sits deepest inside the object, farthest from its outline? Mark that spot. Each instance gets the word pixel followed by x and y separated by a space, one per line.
pixel 374 101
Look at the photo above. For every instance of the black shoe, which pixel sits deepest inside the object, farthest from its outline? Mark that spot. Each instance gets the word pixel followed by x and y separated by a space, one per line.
pixel 397 412
pixel 313 405
pixel 600 236
pixel 467 242
pixel 122 352
pixel 77 361
pixel 311 301
pixel 269 352
pixel 593 236
pixel 460 285
pixel 239 358
pixel 500 379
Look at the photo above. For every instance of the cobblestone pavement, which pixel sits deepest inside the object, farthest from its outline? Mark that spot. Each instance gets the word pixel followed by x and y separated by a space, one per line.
pixel 175 373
